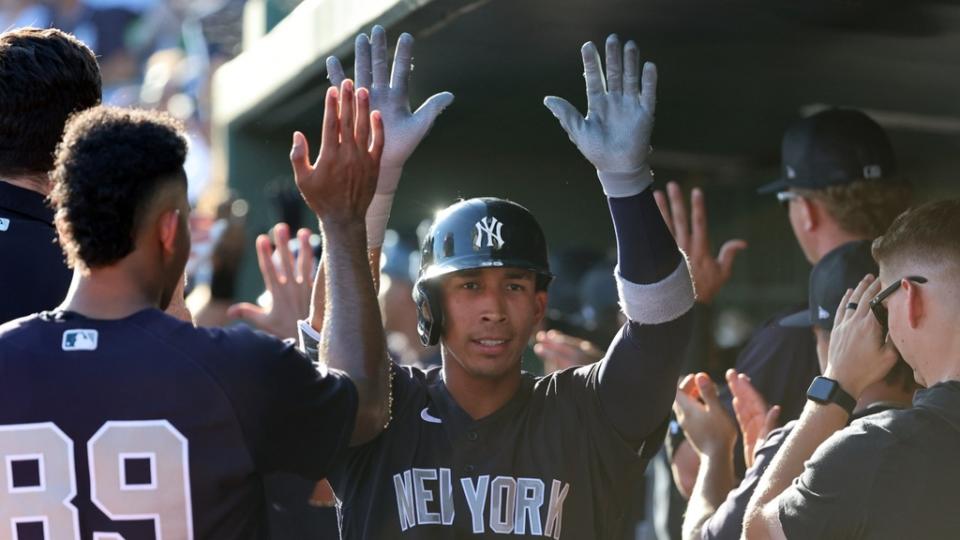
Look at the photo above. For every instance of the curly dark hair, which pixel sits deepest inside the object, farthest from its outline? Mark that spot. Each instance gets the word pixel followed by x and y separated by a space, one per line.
pixel 45 76
pixel 108 166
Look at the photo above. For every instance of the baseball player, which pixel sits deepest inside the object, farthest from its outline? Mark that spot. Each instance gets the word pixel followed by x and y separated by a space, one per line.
pixel 118 421
pixel 478 448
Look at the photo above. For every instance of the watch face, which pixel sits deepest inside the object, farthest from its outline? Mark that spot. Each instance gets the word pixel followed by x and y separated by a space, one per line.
pixel 821 389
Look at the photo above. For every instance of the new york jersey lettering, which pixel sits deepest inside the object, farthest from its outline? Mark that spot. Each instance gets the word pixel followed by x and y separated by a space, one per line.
pixel 503 505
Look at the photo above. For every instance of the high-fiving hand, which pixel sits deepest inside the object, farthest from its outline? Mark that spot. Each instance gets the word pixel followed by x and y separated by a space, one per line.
pixel 615 134
pixel 709 273
pixel 339 185
pixel 389 94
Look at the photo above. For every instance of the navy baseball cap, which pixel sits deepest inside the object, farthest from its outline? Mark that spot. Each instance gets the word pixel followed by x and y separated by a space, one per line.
pixel 833 147
pixel 837 271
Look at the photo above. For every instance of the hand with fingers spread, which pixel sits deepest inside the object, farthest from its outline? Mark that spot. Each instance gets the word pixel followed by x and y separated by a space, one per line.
pixel 560 351
pixel 755 418
pixel 858 355
pixel 701 415
pixel 290 284
pixel 709 273
pixel 615 134
pixel 339 185
pixel 389 94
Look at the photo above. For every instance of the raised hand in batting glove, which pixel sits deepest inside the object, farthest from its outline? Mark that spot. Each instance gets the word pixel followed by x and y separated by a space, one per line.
pixel 339 185
pixel 615 134
pixel 389 94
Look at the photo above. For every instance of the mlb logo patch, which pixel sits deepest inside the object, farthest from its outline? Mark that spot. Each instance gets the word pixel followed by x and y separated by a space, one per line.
pixel 4 224
pixel 79 340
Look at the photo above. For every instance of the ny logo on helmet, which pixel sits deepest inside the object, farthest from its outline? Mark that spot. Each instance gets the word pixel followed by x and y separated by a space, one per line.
pixel 489 226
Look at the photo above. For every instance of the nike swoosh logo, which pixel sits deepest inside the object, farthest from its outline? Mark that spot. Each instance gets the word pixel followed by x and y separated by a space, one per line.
pixel 427 417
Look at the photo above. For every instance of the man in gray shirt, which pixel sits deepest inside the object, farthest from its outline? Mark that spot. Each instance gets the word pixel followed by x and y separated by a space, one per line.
pixel 891 475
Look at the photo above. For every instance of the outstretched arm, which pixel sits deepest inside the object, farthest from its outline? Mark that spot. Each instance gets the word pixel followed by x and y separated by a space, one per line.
pixel 338 187
pixel 389 94
pixel 637 377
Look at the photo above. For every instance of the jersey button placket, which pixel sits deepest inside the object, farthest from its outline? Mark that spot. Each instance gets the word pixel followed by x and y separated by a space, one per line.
pixel 472 436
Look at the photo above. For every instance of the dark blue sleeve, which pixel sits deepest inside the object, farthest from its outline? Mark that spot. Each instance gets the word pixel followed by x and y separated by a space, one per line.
pixel 646 251
pixel 638 376
pixel 297 417
pixel 727 521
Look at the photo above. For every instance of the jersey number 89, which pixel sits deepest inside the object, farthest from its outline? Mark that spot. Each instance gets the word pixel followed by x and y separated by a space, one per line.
pixel 38 478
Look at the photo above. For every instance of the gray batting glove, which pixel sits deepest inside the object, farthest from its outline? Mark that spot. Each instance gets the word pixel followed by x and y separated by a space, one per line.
pixel 615 135
pixel 403 129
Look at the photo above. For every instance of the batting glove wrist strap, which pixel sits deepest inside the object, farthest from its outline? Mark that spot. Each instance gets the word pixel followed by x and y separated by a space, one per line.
pixel 657 303
pixel 625 184
pixel 309 340
pixel 378 214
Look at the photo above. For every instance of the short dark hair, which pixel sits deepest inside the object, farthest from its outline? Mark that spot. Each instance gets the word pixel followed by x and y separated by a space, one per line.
pixel 108 166
pixel 45 76
pixel 864 207
pixel 929 232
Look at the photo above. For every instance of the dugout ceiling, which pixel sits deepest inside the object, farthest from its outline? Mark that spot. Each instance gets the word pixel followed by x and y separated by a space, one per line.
pixel 733 74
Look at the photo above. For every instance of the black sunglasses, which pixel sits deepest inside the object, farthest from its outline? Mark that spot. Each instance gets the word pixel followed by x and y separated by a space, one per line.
pixel 876 305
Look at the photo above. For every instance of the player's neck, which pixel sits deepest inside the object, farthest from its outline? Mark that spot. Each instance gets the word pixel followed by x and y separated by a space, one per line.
pixel 479 397
pixel 106 293
pixel 36 182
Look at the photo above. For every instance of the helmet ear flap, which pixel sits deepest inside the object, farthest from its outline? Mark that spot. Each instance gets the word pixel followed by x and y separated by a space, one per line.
pixel 429 313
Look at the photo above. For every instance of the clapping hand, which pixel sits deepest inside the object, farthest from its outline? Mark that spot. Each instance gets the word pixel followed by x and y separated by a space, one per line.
pixel 755 418
pixel 701 415
pixel 615 134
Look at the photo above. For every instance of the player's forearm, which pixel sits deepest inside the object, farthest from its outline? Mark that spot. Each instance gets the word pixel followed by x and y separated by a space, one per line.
pixel 816 424
pixel 638 376
pixel 715 479
pixel 352 336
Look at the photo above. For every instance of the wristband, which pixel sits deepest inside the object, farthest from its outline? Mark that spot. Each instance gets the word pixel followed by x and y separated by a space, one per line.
pixel 625 184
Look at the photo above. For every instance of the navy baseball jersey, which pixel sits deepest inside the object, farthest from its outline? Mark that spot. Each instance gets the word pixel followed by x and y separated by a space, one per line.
pixel 147 427
pixel 33 276
pixel 553 462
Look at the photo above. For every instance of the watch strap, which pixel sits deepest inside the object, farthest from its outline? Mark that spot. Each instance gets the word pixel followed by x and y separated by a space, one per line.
pixel 837 395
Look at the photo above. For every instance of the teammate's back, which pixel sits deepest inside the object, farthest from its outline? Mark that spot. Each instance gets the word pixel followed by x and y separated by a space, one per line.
pixel 147 427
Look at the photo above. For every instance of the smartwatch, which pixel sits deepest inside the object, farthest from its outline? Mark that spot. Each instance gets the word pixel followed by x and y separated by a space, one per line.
pixel 824 391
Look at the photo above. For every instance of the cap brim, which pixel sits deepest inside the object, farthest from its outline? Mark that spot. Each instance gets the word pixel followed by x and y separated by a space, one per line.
pixel 780 184
pixel 797 320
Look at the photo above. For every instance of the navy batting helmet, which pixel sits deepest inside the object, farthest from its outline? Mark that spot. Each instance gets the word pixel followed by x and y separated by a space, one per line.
pixel 475 233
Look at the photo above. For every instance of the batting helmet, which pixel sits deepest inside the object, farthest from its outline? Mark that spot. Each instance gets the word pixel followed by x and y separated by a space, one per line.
pixel 475 233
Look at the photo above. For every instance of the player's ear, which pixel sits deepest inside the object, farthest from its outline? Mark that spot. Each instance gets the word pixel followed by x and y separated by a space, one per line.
pixel 168 225
pixel 540 300
pixel 809 213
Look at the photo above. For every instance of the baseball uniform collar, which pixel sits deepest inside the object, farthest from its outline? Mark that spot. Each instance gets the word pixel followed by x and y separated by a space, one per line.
pixel 26 202
pixel 459 424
